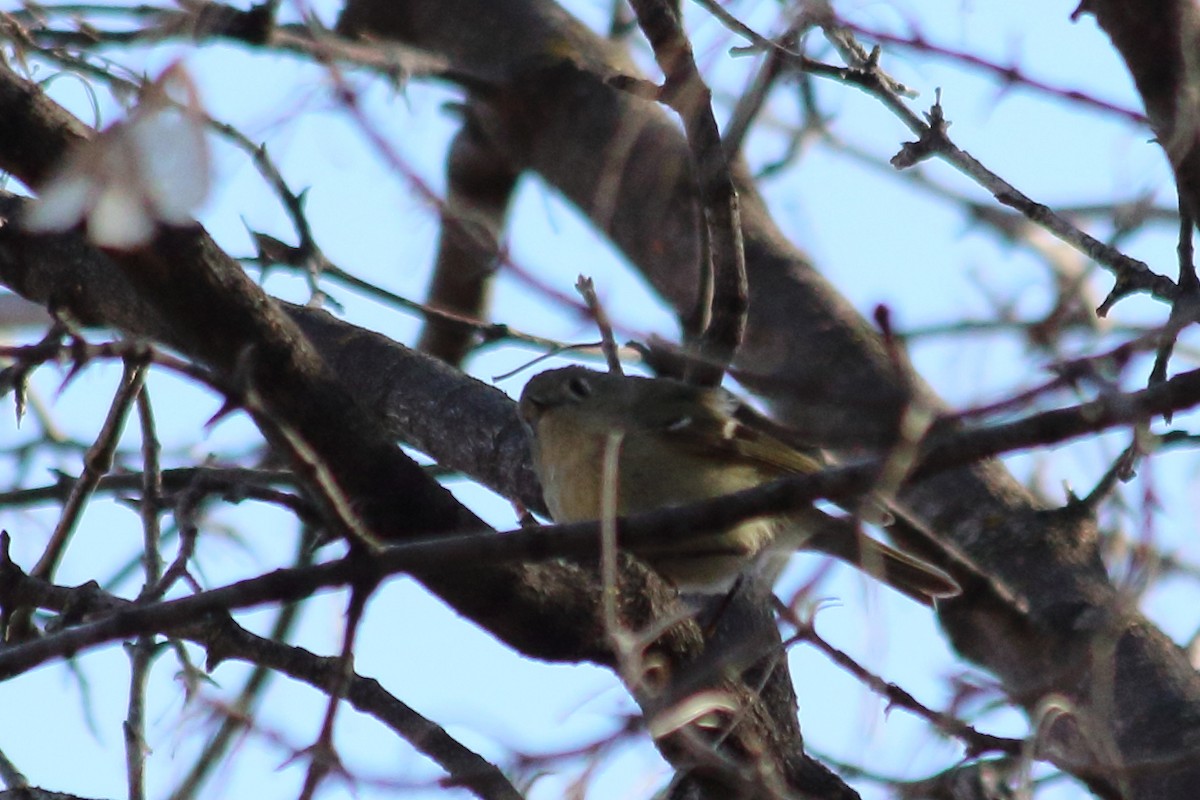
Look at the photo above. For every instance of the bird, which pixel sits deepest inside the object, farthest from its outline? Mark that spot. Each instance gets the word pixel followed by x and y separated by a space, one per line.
pixel 677 444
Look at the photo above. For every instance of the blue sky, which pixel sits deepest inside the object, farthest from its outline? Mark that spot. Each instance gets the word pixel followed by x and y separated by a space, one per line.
pixel 919 255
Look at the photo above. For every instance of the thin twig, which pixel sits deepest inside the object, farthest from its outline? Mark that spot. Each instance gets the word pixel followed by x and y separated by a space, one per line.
pixel 715 327
pixel 225 639
pixel 143 651
pixel 976 741
pixel 608 345
pixel 1186 307
pixel 243 706
pixel 97 462
pixel 1131 274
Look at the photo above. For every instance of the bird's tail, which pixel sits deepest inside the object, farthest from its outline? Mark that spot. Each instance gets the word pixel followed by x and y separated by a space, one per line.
pixel 845 540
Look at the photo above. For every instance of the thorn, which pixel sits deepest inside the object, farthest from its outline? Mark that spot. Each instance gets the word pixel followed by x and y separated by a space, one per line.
pixel 227 408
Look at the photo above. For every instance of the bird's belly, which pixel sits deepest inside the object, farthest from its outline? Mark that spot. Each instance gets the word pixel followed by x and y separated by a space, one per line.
pixel 645 481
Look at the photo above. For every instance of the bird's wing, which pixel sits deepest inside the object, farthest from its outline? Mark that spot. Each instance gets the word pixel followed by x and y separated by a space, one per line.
pixel 710 429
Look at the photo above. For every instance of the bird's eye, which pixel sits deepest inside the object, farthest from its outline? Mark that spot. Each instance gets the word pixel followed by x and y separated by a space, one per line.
pixel 579 388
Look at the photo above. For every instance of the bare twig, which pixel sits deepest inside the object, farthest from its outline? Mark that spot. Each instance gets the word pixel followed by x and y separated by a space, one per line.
pixel 654 528
pixel 242 707
pixel 98 461
pixel 608 345
pixel 224 639
pixel 143 651
pixel 1186 307
pixel 715 326
pixel 977 742
pixel 1131 275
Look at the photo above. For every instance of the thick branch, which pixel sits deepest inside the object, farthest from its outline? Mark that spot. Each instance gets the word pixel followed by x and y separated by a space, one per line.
pixel 215 314
pixel 192 284
pixel 827 372
pixel 1159 41
pixel 480 188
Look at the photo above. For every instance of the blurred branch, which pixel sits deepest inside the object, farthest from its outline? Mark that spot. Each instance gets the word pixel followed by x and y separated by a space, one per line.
pixel 715 326
pixel 481 186
pixel 1008 75
pixel 656 528
pixel 191 284
pixel 1132 275
pixel 224 639
pixel 625 165
pixel 1157 40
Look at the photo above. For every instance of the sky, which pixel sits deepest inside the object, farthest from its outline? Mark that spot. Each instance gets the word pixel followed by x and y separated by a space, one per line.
pixel 922 258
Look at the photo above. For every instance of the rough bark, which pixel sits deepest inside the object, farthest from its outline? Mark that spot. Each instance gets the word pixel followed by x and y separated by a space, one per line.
pixel 191 295
pixel 1134 698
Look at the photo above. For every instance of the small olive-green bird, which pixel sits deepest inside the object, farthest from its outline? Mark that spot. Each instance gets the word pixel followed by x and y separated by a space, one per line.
pixel 680 444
